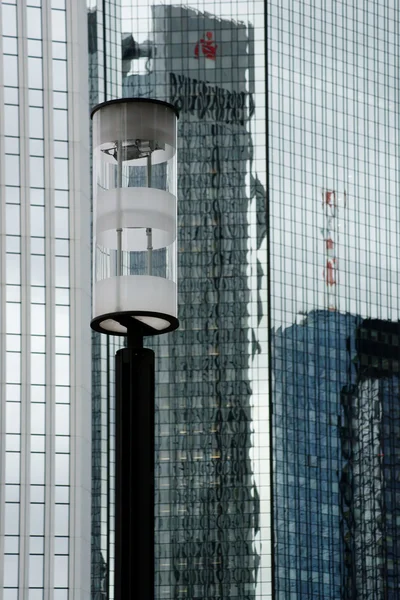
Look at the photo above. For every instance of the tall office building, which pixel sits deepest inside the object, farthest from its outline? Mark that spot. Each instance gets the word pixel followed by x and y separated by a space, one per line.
pixel 45 371
pixel 311 291
pixel 336 448
pixel 333 301
pixel 209 492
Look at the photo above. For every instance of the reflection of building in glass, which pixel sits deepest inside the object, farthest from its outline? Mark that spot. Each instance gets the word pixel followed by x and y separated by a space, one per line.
pixel 336 447
pixel 207 501
pixel 371 473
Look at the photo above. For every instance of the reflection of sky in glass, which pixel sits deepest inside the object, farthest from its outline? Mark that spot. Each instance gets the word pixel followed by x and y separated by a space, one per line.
pixel 333 126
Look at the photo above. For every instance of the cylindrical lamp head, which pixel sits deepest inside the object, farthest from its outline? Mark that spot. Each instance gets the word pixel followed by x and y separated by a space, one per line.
pixel 134 217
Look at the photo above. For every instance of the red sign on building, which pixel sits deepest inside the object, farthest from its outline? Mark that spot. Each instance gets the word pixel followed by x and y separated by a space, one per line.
pixel 206 46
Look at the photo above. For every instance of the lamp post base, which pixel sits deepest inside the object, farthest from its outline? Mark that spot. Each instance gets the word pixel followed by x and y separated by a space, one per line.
pixel 134 474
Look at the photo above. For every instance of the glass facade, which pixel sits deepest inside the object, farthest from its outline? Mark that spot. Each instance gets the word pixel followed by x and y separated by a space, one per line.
pixel 288 308
pixel 212 473
pixel 333 241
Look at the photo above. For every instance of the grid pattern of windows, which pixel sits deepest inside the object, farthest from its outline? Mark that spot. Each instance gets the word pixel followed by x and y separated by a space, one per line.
pixel 334 307
pixel 36 273
pixel 212 485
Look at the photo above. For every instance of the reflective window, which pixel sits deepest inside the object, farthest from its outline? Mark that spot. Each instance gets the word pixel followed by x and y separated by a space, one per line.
pixel 62 419
pixel 11 126
pixel 61 519
pixel 37 247
pixel 36 571
pixel 13 316
pixel 11 544
pixel 58 26
pixel 61 198
pixel 62 369
pixel 37 221
pixel 38 369
pixel 35 73
pixel 38 343
pixel 37 319
pixel 37 519
pixel 37 491
pixel 9 19
pixel 10 570
pixel 59 52
pixel 36 197
pixel 11 145
pixel 36 122
pixel 62 248
pixel 61 221
pixel 62 296
pixel 13 442
pixel 10 45
pixel 11 520
pixel 37 270
pixel 10 70
pixel 13 219
pixel 13 274
pixel 12 467
pixel 62 469
pixel 37 467
pixel 60 174
pixel 35 99
pixel 62 345
pixel 11 169
pixel 34 23
pixel 13 367
pixel 36 544
pixel 61 545
pixel 62 271
pixel 13 343
pixel 62 321
pixel 37 393
pixel 10 95
pixel 60 100
pixel 61 571
pixel 36 171
pixel 62 494
pixel 36 148
pixel 35 48
pixel 61 149
pixel 59 75
pixel 13 243
pixel 60 125
pixel 62 443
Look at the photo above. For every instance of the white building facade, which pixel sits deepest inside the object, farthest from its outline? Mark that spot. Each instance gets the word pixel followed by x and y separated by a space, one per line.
pixel 45 368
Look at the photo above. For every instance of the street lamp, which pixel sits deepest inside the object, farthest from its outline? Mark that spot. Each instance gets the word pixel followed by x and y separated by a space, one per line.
pixel 134 295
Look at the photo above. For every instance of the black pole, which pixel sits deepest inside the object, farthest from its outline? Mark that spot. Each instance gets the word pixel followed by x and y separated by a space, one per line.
pixel 134 474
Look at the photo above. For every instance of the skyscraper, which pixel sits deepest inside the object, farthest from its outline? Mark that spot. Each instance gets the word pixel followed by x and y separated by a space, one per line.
pixel 333 300
pixel 290 314
pixel 208 526
pixel 336 431
pixel 45 403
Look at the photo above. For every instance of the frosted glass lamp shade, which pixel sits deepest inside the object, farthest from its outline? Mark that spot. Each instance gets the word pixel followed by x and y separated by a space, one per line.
pixel 134 221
